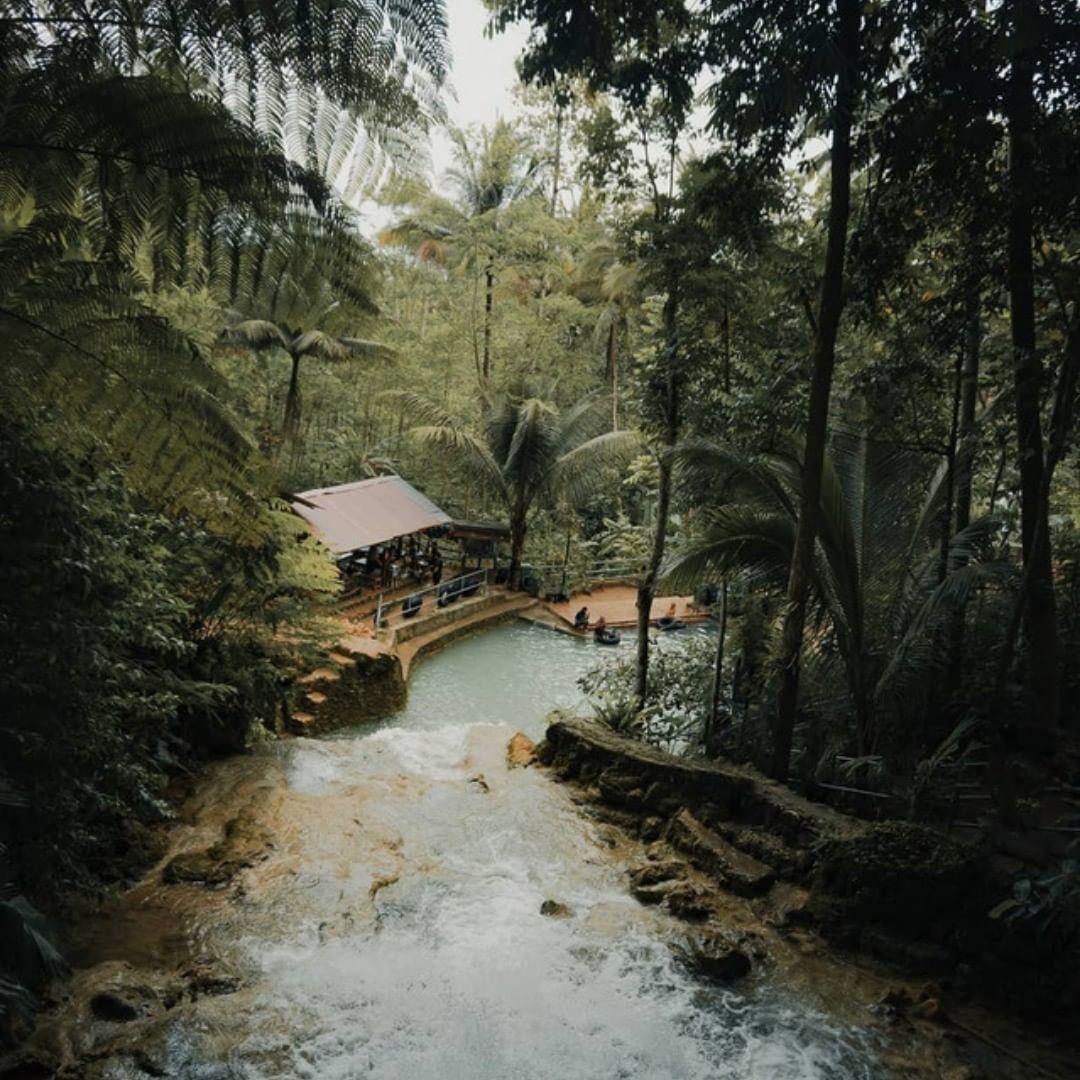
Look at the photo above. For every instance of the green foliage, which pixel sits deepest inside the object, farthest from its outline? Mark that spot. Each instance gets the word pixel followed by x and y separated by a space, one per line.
pixel 134 642
pixel 677 700
pixel 1042 899
pixel 524 450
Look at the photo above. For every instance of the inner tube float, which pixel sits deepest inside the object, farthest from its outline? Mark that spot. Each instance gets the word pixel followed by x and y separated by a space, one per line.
pixel 670 624
pixel 608 637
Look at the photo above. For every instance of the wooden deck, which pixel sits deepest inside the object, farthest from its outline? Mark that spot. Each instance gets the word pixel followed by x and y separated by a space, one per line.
pixel 618 606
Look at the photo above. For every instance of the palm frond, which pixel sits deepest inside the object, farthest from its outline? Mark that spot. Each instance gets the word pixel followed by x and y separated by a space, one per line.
pixel 470 450
pixel 579 473
pixel 258 334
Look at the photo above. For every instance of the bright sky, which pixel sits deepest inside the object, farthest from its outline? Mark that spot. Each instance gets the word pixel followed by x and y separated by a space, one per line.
pixel 482 76
pixel 482 81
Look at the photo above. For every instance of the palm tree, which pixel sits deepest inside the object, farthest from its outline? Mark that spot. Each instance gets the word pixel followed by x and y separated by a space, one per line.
pixel 604 276
pixel 876 572
pixel 492 170
pixel 525 451
pixel 261 334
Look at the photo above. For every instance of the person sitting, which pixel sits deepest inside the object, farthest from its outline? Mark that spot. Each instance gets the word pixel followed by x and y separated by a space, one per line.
pixel 668 621
pixel 602 634
pixel 581 619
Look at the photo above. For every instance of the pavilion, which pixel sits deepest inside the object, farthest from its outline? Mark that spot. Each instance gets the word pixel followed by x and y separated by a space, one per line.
pixel 364 514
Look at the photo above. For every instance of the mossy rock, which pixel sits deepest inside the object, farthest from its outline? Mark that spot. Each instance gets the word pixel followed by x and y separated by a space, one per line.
pixel 896 875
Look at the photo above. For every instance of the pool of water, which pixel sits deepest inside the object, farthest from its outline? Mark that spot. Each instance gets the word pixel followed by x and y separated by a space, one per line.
pixel 511 674
pixel 395 931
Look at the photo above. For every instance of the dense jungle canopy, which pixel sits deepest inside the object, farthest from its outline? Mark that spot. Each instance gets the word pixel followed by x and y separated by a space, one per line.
pixel 775 302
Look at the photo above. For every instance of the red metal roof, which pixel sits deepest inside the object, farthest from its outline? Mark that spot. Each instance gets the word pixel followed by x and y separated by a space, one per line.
pixel 368 512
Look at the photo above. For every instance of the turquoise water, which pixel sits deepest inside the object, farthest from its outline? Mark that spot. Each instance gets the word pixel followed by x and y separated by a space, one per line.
pixel 511 674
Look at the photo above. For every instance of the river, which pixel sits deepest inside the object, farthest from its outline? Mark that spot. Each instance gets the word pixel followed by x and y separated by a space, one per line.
pixel 394 931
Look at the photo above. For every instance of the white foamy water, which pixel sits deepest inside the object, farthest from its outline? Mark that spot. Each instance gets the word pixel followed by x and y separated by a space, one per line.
pixel 421 953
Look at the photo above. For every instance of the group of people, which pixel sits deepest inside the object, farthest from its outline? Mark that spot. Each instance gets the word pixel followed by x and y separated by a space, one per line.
pixel 384 565
pixel 667 621
pixel 601 632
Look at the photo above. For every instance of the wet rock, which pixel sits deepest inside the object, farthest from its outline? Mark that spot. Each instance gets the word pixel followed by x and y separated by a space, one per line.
pixel 915 957
pixel 653 873
pixel 714 956
pixel 114 1008
pixel 545 752
pixel 735 870
pixel 787 907
pixel 925 1004
pixel 681 898
pixel 659 797
pixel 652 828
pixel 686 901
pixel 204 980
pixel 626 820
pixel 651 894
pixel 658 850
pixel 29 1065
pixel 621 789
pixel 383 881
pixel 521 752
pixel 244 844
pixel 200 868
pixel 588 772
pixel 790 863
pixel 555 909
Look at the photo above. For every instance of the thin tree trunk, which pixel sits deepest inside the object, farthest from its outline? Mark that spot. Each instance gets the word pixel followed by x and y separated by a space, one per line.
pixel 613 374
pixel 566 554
pixel 292 400
pixel 712 722
pixel 557 164
pixel 969 394
pixel 718 665
pixel 517 546
pixel 964 466
pixel 647 588
pixel 827 322
pixel 489 301
pixel 1040 622
pixel 475 344
pixel 951 456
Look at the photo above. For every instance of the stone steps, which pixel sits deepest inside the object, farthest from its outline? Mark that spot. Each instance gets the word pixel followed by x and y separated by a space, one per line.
pixel 735 870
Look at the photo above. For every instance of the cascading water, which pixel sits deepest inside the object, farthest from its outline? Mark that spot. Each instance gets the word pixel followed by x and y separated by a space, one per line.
pixel 395 930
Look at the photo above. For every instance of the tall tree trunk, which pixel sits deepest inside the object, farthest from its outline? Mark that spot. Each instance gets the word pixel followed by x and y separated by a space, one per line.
pixel 647 588
pixel 613 374
pixel 517 546
pixel 827 322
pixel 489 302
pixel 557 164
pixel 969 396
pixel 712 721
pixel 964 465
pixel 292 400
pixel 952 456
pixel 1040 622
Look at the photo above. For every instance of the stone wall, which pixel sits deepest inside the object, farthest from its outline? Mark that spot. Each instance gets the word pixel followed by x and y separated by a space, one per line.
pixel 900 892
